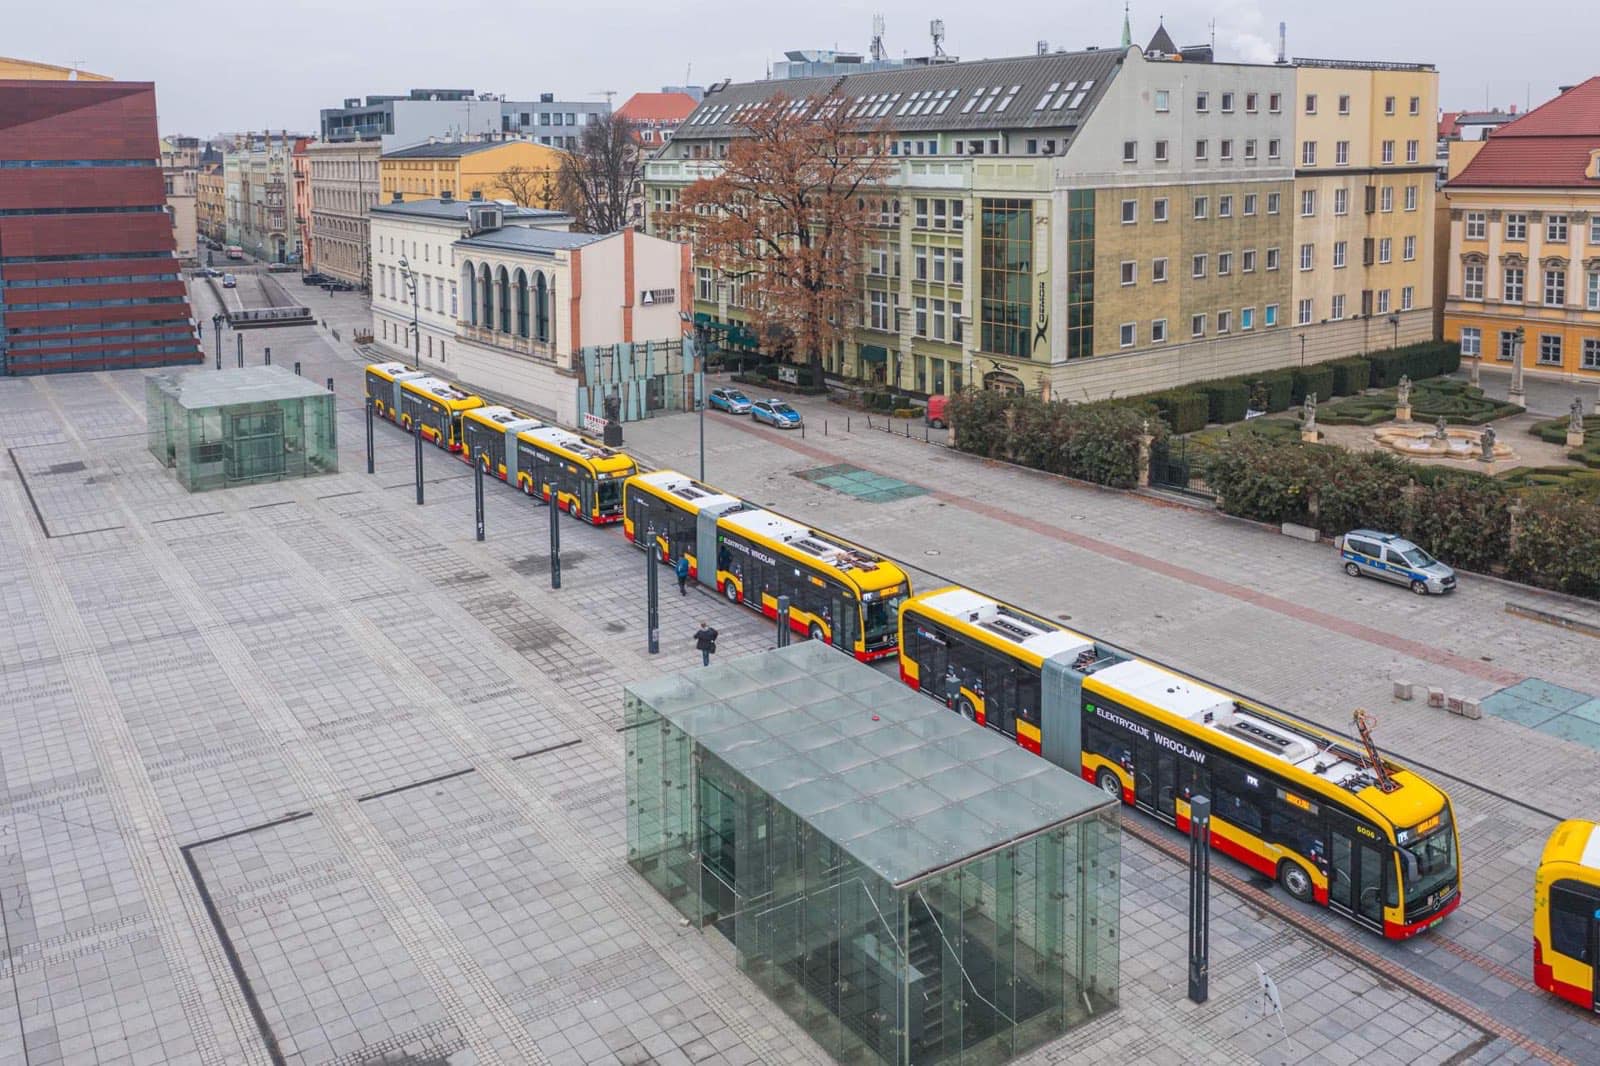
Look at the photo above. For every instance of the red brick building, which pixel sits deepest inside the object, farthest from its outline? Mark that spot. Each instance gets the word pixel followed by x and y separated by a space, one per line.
pixel 88 277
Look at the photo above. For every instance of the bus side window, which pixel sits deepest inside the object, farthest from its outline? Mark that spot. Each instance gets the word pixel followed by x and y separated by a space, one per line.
pixel 1572 907
pixel 1028 695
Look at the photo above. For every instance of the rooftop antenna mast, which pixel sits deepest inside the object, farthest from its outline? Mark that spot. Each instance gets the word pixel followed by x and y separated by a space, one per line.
pixel 878 52
pixel 936 31
pixel 1364 723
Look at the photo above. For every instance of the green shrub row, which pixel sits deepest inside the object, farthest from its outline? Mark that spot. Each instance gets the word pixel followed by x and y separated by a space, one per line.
pixel 1096 442
pixel 1183 410
pixel 1428 359
pixel 1273 391
pixel 1461 517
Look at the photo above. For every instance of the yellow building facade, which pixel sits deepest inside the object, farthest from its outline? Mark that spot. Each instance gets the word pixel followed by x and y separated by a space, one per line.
pixel 521 171
pixel 27 70
pixel 1524 242
pixel 1363 205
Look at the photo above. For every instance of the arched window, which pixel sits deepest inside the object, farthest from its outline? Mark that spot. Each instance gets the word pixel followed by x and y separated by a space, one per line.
pixel 522 304
pixel 502 299
pixel 541 307
pixel 471 286
pixel 486 297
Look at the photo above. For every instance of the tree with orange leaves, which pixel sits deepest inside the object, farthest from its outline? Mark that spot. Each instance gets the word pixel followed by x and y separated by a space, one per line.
pixel 788 216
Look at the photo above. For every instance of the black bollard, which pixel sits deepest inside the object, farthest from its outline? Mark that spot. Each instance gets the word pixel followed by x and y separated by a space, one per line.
pixel 416 431
pixel 297 368
pixel 652 587
pixel 266 356
pixel 1199 898
pixel 555 541
pixel 240 338
pixel 477 492
pixel 371 464
pixel 783 622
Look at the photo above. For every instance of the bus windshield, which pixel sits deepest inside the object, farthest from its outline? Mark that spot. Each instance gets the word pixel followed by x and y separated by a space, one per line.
pixel 1435 858
pixel 609 494
pixel 881 617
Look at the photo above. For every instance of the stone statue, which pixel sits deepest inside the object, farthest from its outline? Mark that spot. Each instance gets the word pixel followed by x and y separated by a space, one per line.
pixel 1439 430
pixel 1311 411
pixel 1402 395
pixel 1486 442
pixel 1575 420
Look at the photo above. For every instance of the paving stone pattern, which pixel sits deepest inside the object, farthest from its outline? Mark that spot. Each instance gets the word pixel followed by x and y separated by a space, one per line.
pixel 302 773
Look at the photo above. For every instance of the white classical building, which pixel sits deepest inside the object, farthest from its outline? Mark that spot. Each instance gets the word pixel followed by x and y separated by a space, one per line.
pixel 420 237
pixel 509 303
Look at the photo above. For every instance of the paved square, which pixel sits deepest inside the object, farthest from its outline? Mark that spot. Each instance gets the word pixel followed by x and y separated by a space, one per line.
pixel 302 773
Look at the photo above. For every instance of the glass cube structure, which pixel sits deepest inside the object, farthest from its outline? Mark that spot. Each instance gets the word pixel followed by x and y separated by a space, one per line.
pixel 909 886
pixel 239 427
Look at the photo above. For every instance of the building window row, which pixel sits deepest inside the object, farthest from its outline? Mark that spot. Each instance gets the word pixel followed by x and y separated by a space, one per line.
pixel 1227 101
pixel 1413 107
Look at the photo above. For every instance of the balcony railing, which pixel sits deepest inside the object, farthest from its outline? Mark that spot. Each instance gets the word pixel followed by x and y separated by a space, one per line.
pixel 544 351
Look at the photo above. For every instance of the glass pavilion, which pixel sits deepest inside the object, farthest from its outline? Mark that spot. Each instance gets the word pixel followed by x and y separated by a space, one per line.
pixel 907 885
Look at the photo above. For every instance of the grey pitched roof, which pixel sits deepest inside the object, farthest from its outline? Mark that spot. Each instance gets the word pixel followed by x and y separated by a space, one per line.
pixel 523 239
pixel 1162 42
pixel 456 210
pixel 443 150
pixel 1027 92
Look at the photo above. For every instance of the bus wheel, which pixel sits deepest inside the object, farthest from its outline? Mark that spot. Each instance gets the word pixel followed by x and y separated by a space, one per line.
pixel 967 709
pixel 1109 784
pixel 1295 881
pixel 730 590
pixel 815 632
pixel 1352 569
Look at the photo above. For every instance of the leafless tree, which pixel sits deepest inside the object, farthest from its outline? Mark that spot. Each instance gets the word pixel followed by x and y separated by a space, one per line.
pixel 603 180
pixel 526 186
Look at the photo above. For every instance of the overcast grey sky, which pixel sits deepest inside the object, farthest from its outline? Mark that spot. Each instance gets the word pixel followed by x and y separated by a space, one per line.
pixel 232 65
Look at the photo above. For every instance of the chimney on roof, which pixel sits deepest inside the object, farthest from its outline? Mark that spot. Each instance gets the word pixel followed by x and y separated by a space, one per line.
pixel 477 194
pixel 1562 89
pixel 446 196
pixel 397 199
pixel 1283 43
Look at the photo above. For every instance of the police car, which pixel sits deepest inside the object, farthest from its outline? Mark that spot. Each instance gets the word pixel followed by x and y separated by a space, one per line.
pixel 1368 553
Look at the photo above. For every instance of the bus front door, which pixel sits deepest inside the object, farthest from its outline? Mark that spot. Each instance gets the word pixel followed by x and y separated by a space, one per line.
pixel 1594 958
pixel 1355 876
pixel 846 620
pixel 586 498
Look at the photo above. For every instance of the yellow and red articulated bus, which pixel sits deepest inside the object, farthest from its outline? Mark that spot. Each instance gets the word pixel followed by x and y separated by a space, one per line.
pixel 1566 914
pixel 581 476
pixel 682 512
pixel 434 407
pixel 839 593
pixel 489 439
pixel 1294 803
pixel 383 387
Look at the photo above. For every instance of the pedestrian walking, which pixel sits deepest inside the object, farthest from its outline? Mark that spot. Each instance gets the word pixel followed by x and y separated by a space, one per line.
pixel 683 575
pixel 705 639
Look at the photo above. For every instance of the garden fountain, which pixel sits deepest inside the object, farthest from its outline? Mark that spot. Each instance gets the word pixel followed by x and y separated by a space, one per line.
pixel 1442 441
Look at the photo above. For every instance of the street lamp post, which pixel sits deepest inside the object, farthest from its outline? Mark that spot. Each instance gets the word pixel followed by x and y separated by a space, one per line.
pixel 903 349
pixel 411 287
pixel 697 384
pixel 1516 395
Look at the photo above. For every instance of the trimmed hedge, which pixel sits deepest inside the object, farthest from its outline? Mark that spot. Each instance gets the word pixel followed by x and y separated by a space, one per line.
pixel 1417 361
pixel 1096 442
pixel 1278 391
pixel 1227 401
pixel 1350 376
pixel 1184 411
pixel 1313 379
pixel 1463 518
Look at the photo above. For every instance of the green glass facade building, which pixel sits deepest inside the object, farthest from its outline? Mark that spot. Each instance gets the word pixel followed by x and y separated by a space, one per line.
pixel 217 429
pixel 908 886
